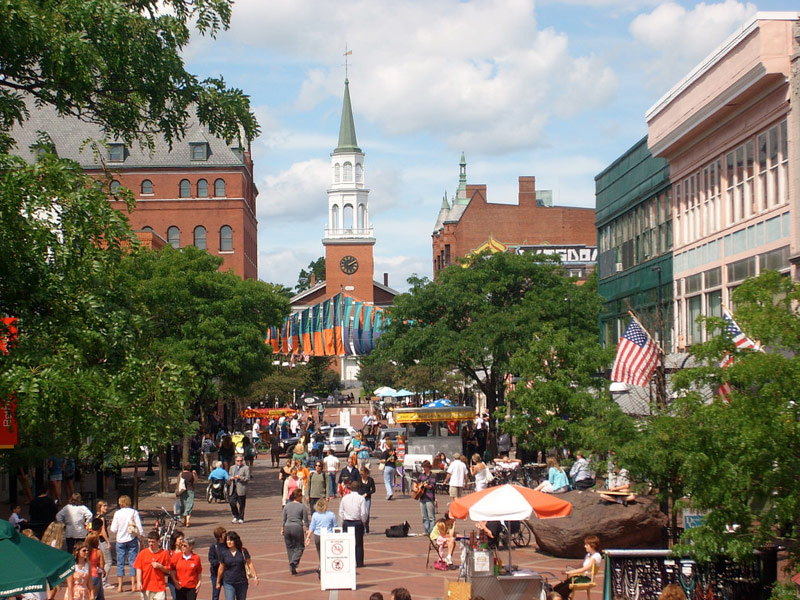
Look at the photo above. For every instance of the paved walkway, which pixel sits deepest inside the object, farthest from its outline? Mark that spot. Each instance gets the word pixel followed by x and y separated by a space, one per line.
pixel 390 562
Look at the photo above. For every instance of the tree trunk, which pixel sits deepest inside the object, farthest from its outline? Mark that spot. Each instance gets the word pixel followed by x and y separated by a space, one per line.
pixel 136 485
pixel 163 476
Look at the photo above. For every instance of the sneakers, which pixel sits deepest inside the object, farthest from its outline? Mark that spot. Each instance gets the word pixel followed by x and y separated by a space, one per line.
pixel 440 565
pixel 448 559
pixel 234 520
pixel 240 520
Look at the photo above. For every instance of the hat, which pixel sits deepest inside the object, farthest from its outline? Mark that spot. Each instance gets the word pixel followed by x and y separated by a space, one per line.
pixel 456 456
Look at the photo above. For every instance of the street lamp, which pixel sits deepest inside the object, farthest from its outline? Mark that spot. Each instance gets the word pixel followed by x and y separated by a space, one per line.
pixel 661 390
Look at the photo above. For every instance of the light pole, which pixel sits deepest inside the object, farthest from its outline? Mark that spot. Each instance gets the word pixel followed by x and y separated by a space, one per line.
pixel 661 389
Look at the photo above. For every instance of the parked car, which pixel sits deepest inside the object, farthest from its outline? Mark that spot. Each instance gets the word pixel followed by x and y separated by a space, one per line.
pixel 339 438
pixel 390 433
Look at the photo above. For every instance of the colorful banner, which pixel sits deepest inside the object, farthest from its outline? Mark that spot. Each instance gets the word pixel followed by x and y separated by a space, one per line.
pixel 9 434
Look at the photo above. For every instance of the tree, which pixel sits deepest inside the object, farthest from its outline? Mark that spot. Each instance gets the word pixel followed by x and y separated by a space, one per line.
pixel 116 63
pixel 475 319
pixel 315 268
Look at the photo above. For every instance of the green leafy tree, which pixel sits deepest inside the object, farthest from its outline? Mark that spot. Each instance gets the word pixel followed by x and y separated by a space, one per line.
pixel 315 268
pixel 475 319
pixel 116 63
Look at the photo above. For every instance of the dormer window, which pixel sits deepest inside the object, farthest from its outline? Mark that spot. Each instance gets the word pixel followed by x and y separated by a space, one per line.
pixel 199 150
pixel 116 153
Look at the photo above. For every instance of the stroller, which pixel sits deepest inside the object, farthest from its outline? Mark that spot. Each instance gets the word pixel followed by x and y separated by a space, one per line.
pixel 217 490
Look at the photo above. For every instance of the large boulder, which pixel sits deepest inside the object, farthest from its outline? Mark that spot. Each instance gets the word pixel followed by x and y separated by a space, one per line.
pixel 638 525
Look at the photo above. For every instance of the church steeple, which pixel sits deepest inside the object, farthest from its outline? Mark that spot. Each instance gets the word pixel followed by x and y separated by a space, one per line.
pixel 347 128
pixel 461 193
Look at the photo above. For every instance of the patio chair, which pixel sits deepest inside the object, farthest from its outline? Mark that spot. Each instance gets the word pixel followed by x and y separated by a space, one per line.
pixel 584 585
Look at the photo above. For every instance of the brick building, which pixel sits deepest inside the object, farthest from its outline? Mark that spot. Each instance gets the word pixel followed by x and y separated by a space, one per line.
pixel 199 192
pixel 470 221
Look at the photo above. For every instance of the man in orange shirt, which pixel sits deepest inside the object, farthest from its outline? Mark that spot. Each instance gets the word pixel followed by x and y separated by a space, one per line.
pixel 186 569
pixel 152 566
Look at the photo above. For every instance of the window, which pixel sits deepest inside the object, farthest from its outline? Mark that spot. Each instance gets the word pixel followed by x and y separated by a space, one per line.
pixel 335 218
pixel 714 303
pixel 693 283
pixel 742 269
pixel 694 328
pixel 713 277
pixel 186 189
pixel 147 187
pixel 115 185
pixel 202 188
pixel 359 173
pixel 199 150
pixel 147 228
pixel 200 237
pixel 116 152
pixel 347 172
pixel 219 188
pixel 337 173
pixel 225 239
pixel 776 260
pixel 174 237
pixel 362 216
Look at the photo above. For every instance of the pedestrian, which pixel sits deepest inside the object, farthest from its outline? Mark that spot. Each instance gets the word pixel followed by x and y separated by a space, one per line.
pixel 591 563
pixel 76 519
pixel 401 457
pixel 16 518
pixel 424 490
pixel 353 515
pixel 293 525
pixel 227 450
pixel 581 474
pixel 175 543
pixel 234 564
pixel 239 478
pixel 275 449
pixel 480 472
pixel 367 489
pixel 249 451
pixel 99 526
pixel 322 521
pixel 457 476
pixel 79 584
pixel 673 591
pixel 361 449
pixel 400 593
pixel 389 464
pixel 214 552
pixel 127 525
pixel 317 485
pixel 209 450
pixel 152 567
pixel 331 468
pixel 186 570
pixel 350 471
pixel 53 536
pixel 42 512
pixel 55 475
pixel 557 481
pixel 185 491
pixel 97 565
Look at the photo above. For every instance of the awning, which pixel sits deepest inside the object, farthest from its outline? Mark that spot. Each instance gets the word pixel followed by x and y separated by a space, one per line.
pixel 434 414
pixel 266 413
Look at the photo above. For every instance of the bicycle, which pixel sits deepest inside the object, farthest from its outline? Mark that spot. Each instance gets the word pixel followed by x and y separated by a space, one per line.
pixel 166 524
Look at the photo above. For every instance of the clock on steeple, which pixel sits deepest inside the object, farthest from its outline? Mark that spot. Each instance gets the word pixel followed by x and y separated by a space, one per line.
pixel 348 237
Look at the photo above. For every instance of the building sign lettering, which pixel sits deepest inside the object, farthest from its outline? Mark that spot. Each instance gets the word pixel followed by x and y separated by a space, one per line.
pixel 568 254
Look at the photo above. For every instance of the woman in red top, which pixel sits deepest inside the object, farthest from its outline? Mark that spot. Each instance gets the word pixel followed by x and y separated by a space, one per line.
pixel 186 570
pixel 97 564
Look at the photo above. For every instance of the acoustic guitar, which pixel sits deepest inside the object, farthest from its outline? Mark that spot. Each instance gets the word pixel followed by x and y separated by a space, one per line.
pixel 421 487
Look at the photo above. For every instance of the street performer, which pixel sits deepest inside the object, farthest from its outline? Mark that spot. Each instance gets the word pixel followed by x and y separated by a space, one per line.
pixel 424 490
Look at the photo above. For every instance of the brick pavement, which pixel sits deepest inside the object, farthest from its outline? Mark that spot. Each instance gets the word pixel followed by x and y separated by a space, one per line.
pixel 389 562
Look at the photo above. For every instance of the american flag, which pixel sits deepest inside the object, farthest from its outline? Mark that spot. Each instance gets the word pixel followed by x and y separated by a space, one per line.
pixel 637 356
pixel 725 388
pixel 739 338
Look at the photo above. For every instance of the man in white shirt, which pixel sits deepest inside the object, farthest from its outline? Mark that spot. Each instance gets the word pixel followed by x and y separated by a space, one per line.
pixel 353 515
pixel 457 476
pixel 331 468
pixel 293 424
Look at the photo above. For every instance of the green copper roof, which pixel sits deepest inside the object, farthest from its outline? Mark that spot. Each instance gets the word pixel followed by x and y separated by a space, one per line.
pixel 347 129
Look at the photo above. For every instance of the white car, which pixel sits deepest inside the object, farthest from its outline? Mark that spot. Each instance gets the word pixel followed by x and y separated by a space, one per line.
pixel 339 438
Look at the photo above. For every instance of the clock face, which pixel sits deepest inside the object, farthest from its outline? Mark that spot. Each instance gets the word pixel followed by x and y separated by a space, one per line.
pixel 349 264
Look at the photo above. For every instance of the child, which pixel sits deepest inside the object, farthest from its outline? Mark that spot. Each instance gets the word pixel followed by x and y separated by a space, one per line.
pixel 16 518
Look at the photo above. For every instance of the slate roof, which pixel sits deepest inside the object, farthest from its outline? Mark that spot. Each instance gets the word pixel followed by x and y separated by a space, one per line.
pixel 68 134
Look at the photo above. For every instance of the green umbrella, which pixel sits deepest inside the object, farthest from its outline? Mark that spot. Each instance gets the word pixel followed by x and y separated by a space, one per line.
pixel 27 565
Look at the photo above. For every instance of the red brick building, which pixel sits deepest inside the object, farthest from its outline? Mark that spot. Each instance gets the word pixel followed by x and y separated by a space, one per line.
pixel 470 222
pixel 199 192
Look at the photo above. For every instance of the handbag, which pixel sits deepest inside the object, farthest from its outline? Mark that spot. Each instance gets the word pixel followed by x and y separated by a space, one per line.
pixel 249 570
pixel 181 486
pixel 381 466
pixel 132 528
pixel 489 475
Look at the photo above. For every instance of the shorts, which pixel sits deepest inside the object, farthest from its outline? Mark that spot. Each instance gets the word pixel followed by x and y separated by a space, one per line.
pixel 455 492
pixel 148 595
pixel 56 476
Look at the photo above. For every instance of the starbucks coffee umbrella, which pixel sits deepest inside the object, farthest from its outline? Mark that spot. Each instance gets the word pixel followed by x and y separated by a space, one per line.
pixel 28 565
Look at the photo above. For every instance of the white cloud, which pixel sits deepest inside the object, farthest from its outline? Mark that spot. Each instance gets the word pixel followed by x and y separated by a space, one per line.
pixel 295 193
pixel 681 38
pixel 435 67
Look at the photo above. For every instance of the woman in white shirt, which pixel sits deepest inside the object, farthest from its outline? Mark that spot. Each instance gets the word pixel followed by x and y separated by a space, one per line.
pixel 479 472
pixel 128 526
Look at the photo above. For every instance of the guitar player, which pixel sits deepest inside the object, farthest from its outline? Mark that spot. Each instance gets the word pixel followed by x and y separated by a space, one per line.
pixel 424 490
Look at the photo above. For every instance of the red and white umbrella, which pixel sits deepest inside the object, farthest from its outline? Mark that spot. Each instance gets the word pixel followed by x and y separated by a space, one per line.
pixel 509 503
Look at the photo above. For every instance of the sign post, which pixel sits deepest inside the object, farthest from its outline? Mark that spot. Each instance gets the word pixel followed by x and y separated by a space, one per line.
pixel 338 560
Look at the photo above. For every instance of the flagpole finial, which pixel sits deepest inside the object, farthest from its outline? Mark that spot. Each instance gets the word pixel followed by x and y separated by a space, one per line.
pixel 346 64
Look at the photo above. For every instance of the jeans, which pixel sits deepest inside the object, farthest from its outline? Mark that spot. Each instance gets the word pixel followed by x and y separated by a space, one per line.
pixel 332 487
pixel 105 548
pixel 235 591
pixel 173 593
pixel 126 550
pixel 214 590
pixel 428 510
pixel 368 504
pixel 388 480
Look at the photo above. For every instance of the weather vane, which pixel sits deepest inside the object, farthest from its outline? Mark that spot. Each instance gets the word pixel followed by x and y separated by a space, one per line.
pixel 346 54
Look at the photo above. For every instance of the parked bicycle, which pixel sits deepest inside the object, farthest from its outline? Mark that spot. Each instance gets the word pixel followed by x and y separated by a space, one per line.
pixel 166 524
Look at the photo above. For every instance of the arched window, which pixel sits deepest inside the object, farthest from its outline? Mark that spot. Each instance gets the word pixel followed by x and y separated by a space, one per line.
pixel 174 237
pixel 347 217
pixel 147 186
pixel 147 228
pixel 362 216
pixel 200 237
pixel 335 217
pixel 359 173
pixel 219 188
pixel 202 188
pixel 348 172
pixel 225 239
pixel 115 185
pixel 186 189
pixel 337 175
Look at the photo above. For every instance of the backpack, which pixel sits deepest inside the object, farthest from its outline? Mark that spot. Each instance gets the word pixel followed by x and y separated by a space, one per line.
pixel 398 531
pixel 440 565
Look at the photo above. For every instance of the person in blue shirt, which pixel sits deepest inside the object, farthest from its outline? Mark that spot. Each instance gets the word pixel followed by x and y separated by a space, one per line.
pixel 557 480
pixel 323 520
pixel 218 472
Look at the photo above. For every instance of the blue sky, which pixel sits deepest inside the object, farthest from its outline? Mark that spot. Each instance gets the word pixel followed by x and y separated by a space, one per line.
pixel 553 89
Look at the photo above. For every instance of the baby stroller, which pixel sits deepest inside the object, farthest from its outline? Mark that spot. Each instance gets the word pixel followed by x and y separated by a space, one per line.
pixel 217 490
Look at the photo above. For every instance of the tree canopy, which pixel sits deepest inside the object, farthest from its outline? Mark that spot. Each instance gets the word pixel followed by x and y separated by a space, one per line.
pixel 315 268
pixel 116 63
pixel 474 319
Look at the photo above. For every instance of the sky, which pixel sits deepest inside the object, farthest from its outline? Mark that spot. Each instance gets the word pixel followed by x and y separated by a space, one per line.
pixel 553 89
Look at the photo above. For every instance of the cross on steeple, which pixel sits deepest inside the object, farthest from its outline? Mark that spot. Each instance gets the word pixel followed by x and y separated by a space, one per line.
pixel 346 54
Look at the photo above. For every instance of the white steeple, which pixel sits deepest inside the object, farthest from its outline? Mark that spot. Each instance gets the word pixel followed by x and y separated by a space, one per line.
pixel 348 199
